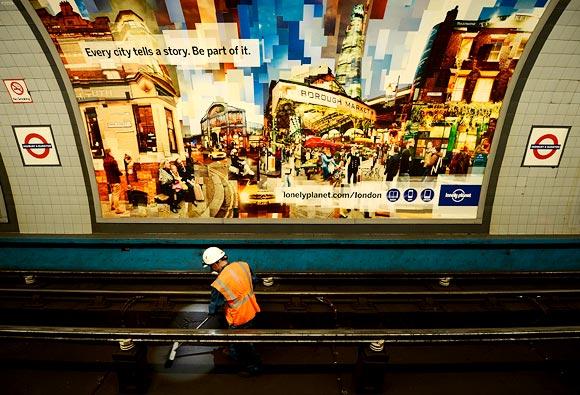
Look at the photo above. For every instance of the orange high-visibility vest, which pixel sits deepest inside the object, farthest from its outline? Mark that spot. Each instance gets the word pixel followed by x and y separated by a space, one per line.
pixel 235 283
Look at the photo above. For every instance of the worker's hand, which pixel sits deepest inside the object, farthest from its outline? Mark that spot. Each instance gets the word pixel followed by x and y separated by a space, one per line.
pixel 268 281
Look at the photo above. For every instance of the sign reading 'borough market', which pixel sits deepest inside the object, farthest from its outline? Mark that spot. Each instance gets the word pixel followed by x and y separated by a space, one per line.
pixel 299 109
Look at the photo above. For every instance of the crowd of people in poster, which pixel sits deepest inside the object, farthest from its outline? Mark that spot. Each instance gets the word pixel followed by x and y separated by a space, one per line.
pixel 346 109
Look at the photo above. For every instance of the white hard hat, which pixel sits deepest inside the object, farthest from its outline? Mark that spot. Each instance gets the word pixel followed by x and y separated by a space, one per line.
pixel 212 255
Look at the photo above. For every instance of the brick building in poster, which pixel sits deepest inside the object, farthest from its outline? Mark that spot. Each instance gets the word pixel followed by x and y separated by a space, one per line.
pixel 462 78
pixel 471 61
pixel 128 108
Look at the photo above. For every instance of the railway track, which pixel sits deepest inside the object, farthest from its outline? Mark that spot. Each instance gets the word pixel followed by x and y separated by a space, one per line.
pixel 292 283
pixel 297 302
pixel 321 326
pixel 292 336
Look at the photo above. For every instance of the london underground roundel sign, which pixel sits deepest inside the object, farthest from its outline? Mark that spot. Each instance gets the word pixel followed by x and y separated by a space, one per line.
pixel 545 146
pixel 36 145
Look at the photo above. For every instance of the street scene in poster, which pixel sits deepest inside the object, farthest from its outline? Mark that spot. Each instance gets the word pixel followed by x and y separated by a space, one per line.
pixel 303 109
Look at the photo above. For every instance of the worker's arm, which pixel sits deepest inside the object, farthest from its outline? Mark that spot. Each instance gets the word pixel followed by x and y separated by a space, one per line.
pixel 255 279
pixel 266 281
pixel 216 302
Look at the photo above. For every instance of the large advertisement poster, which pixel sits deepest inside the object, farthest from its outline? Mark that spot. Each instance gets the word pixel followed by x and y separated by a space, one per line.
pixel 290 109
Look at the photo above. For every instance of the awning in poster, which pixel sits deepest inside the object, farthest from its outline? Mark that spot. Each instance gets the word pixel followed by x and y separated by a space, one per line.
pixel 353 132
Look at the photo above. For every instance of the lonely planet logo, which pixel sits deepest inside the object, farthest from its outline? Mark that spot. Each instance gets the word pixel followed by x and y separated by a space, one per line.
pixel 459 195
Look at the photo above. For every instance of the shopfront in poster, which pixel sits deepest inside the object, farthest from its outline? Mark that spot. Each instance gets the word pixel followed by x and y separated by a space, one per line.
pixel 224 127
pixel 314 110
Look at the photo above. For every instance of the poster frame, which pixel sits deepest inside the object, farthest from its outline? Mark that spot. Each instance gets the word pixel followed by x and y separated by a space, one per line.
pixel 291 227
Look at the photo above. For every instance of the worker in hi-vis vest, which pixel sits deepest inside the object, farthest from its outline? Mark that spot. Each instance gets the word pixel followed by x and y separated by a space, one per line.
pixel 233 291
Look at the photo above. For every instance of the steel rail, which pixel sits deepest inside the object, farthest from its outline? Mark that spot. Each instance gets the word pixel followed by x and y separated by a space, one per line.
pixel 352 336
pixel 297 276
pixel 510 292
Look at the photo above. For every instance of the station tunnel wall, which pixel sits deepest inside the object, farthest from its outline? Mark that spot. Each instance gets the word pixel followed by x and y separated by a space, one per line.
pixel 48 206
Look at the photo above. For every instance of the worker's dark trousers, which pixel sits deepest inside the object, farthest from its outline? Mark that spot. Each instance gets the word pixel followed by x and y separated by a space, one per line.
pixel 245 353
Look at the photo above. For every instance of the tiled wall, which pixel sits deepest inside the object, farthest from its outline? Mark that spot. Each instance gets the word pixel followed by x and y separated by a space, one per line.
pixel 48 199
pixel 542 200
pixel 529 201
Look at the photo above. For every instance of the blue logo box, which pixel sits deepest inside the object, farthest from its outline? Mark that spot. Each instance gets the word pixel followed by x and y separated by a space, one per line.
pixel 459 195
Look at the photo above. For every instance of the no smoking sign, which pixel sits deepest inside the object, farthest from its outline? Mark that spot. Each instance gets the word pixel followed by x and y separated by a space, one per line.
pixel 36 145
pixel 545 146
pixel 18 91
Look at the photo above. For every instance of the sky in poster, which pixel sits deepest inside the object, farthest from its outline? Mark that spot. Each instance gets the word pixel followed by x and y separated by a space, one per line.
pixel 301 32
